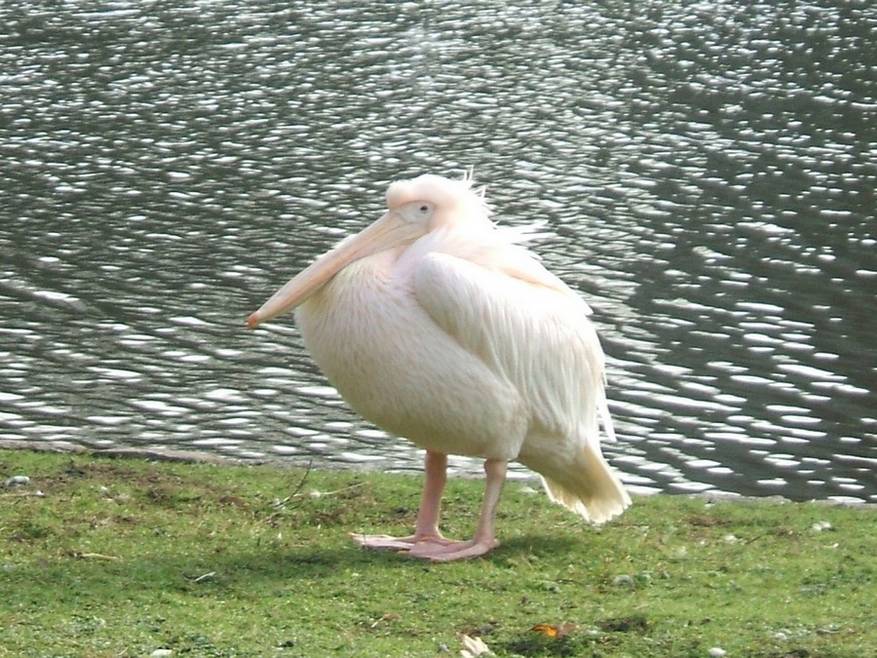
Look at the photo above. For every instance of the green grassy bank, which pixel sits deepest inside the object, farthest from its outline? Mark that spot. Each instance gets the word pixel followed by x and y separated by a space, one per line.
pixel 129 557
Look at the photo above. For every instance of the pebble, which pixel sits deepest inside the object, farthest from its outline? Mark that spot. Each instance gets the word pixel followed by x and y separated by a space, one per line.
pixel 17 481
pixel 717 652
pixel 623 580
pixel 819 526
pixel 161 653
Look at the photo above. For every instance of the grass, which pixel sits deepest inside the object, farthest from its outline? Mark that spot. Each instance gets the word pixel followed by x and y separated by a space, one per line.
pixel 125 557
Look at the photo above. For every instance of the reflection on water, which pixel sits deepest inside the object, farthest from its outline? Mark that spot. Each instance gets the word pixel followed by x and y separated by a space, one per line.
pixel 707 170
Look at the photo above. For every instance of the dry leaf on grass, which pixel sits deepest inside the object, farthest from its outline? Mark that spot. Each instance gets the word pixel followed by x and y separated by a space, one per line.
pixel 552 630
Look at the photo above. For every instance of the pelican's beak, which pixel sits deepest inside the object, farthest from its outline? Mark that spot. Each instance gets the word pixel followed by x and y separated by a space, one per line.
pixel 387 232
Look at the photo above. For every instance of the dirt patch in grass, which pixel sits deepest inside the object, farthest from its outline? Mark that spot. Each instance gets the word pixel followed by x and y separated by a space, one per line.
pixel 633 624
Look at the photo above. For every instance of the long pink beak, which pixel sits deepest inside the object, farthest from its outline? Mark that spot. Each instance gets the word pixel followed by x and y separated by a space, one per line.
pixel 387 232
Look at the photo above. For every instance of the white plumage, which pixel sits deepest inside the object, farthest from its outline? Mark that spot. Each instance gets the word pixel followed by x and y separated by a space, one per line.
pixel 438 326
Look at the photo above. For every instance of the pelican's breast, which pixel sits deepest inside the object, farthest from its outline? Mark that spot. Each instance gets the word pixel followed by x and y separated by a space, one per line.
pixel 396 368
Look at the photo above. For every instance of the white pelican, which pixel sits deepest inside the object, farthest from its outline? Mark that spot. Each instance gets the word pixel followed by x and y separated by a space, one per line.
pixel 434 324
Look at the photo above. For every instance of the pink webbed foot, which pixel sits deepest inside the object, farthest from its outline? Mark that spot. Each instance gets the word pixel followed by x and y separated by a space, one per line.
pixel 427 542
pixel 383 542
pixel 461 550
pixel 400 544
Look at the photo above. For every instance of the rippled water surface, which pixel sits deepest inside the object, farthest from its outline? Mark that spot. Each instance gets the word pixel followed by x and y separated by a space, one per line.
pixel 707 171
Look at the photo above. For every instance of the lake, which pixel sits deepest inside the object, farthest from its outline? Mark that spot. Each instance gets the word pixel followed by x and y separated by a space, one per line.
pixel 704 174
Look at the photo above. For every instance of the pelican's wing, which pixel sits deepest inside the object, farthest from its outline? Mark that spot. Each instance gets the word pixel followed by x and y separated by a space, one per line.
pixel 528 327
pixel 517 263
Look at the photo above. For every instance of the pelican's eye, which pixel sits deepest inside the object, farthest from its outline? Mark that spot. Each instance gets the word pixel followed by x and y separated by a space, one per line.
pixel 417 211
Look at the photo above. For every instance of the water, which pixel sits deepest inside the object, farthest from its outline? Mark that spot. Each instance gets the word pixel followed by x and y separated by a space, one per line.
pixel 707 171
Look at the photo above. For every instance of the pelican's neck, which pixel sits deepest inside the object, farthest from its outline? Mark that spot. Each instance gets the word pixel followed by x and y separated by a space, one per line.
pixel 358 279
pixel 350 302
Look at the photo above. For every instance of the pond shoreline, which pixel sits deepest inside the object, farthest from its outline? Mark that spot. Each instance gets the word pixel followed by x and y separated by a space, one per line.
pixel 197 457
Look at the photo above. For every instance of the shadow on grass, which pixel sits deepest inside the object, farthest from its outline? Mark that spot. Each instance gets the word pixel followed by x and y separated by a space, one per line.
pixel 254 569
pixel 305 562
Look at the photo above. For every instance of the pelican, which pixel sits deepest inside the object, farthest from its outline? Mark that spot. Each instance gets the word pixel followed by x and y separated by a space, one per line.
pixel 437 325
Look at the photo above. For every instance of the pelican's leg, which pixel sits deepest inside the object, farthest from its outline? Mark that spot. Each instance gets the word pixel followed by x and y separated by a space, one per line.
pixel 485 536
pixel 426 529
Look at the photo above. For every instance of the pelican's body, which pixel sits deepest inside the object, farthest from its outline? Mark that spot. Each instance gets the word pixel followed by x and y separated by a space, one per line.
pixel 435 325
pixel 422 384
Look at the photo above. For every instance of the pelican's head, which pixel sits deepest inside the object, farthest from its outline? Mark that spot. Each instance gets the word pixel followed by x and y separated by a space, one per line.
pixel 440 200
pixel 414 208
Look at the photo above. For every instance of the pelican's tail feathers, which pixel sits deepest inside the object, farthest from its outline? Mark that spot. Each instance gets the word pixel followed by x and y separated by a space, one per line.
pixel 587 486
